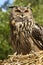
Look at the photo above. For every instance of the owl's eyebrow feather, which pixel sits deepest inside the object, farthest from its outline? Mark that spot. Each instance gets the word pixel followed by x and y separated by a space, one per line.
pixel 12 6
pixel 19 6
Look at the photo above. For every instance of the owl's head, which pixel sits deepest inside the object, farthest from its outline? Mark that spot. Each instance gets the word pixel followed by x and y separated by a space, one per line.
pixel 21 16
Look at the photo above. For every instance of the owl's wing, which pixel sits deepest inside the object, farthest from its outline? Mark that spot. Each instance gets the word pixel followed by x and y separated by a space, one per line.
pixel 37 33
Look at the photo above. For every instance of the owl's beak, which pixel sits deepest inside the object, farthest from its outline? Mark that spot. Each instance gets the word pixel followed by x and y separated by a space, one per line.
pixel 22 15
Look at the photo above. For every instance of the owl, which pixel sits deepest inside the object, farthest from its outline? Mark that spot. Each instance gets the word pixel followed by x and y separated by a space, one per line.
pixel 21 23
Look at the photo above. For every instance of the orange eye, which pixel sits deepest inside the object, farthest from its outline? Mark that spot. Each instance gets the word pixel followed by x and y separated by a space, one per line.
pixel 17 11
pixel 26 11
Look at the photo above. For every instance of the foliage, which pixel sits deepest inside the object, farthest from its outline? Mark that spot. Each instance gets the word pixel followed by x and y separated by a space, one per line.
pixel 37 8
pixel 5 48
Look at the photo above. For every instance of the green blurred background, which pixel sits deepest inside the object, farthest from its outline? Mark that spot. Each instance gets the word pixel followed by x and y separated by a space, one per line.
pixel 37 9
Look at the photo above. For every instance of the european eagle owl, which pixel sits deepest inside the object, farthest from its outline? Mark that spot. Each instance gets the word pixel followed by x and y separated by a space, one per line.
pixel 21 22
